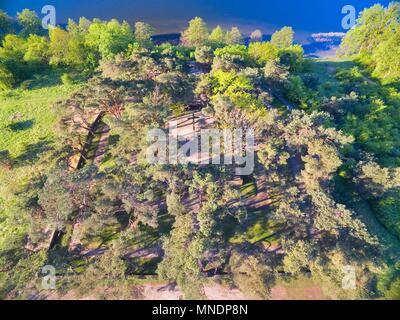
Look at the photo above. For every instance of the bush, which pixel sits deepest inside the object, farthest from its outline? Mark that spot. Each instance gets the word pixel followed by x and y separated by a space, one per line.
pixel 6 79
pixel 66 79
pixel 262 52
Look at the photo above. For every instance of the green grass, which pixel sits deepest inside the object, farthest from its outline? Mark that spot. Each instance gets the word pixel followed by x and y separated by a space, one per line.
pixel 258 228
pixel 28 138
pixel 249 189
pixel 37 120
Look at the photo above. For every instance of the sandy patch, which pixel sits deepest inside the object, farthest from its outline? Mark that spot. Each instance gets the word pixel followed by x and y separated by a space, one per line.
pixel 299 293
pixel 219 292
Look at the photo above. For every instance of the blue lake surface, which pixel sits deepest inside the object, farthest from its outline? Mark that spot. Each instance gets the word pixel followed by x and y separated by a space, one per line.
pixel 305 16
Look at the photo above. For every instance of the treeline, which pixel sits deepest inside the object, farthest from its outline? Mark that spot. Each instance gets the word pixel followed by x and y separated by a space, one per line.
pixel 82 45
pixel 79 47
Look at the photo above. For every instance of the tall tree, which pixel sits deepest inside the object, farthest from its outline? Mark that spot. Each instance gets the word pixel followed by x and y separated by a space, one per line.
pixel 196 35
pixel 234 36
pixel 256 35
pixel 218 37
pixel 143 33
pixel 283 38
pixel 29 22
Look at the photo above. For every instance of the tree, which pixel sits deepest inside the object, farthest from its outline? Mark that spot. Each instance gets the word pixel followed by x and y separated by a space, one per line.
pixel 59 42
pixel 196 35
pixel 387 58
pixel 262 52
pixel 6 79
pixel 374 26
pixel 182 254
pixel 6 25
pixel 110 266
pixel 109 38
pixel 256 35
pixel 204 55
pixel 297 256
pixel 218 37
pixel 234 36
pixel 296 91
pixel 69 49
pixel 29 22
pixel 292 57
pixel 56 199
pixel 375 179
pixel 230 58
pixel 12 57
pixel 251 274
pixel 283 38
pixel 80 28
pixel 143 33
pixel 275 73
pixel 381 186
pixel 37 51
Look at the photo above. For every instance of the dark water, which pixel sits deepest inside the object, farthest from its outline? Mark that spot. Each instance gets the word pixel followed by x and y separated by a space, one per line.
pixel 305 16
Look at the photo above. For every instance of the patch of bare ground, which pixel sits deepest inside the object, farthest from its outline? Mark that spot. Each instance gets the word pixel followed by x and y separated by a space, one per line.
pixel 310 291
pixel 297 290
pixel 218 292
pixel 161 292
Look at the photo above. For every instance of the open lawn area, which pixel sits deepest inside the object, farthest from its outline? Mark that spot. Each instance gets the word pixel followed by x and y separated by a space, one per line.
pixel 27 132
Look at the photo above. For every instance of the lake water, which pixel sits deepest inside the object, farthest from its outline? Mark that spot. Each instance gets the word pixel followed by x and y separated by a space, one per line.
pixel 305 16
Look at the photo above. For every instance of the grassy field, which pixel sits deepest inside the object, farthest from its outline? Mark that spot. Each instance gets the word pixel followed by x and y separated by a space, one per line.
pixel 27 132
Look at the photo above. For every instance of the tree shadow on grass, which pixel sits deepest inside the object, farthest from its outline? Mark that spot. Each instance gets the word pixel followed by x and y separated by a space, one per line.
pixel 21 125
pixel 33 152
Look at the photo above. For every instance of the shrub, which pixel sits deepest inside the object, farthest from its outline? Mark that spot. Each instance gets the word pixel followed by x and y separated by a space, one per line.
pixel 66 79
pixel 6 79
pixel 204 55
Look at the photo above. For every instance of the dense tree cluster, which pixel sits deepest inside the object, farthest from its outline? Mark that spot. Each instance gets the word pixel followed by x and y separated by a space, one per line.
pixel 79 47
pixel 376 39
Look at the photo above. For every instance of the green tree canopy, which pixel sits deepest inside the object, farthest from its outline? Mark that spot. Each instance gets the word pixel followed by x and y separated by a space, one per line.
pixel 29 22
pixel 283 38
pixel 196 34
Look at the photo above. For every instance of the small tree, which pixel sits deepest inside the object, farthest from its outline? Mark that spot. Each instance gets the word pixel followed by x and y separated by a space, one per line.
pixel 234 36
pixel 218 37
pixel 143 33
pixel 283 38
pixel 196 34
pixel 29 22
pixel 256 35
